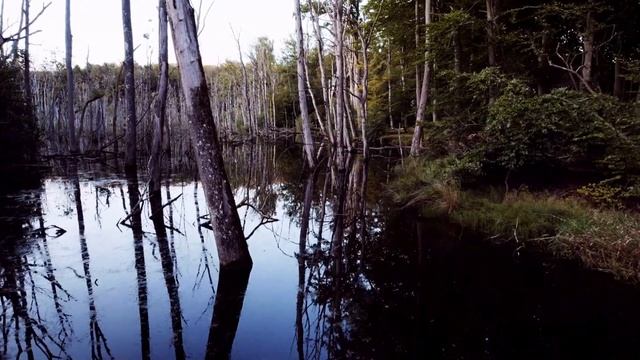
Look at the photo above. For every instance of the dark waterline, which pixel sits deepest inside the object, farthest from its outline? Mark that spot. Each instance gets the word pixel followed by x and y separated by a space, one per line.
pixel 374 281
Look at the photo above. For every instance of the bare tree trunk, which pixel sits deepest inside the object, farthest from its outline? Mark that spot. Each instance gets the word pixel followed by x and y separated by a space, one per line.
pixel 14 46
pixel 417 36
pixel 1 27
pixel 416 142
pixel 232 246
pixel 302 94
pixel 363 87
pixel 323 78
pixel 130 162
pixel 491 31
pixel 71 116
pixel 389 95
pixel 457 53
pixel 116 101
pixel 341 133
pixel 588 51
pixel 246 111
pixel 27 61
pixel 155 165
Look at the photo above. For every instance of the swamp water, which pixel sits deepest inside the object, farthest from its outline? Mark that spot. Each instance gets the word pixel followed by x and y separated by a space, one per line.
pixel 374 281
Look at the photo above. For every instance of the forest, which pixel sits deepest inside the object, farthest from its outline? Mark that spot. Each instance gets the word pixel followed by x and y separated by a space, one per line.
pixel 511 126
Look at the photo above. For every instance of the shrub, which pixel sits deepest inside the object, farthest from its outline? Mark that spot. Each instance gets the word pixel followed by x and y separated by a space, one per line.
pixel 563 129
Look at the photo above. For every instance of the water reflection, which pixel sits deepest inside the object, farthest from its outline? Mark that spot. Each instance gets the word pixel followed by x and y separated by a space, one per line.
pixel 338 273
pixel 171 283
pixel 135 224
pixel 232 286
pixel 98 339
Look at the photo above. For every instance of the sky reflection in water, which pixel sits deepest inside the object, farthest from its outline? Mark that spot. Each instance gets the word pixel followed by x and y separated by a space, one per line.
pixel 403 287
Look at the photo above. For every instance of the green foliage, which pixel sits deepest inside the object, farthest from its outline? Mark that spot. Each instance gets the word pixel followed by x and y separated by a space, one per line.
pixel 603 194
pixel 562 129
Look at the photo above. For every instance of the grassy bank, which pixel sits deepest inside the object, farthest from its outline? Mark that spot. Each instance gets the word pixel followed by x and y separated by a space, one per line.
pixel 564 225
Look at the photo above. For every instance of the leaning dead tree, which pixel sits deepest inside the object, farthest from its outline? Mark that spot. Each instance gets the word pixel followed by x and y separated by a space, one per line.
pixel 230 240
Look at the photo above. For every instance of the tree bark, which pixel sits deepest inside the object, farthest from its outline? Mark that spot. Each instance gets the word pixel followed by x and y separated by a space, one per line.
pixel 416 141
pixel 27 61
pixel 341 131
pixel 71 116
pixel 116 101
pixel 323 78
pixel 130 162
pixel 155 163
pixel 618 83
pixel 230 241
pixel 491 31
pixel 417 39
pixel 14 46
pixel 1 27
pixel 302 93
pixel 457 53
pixel 588 51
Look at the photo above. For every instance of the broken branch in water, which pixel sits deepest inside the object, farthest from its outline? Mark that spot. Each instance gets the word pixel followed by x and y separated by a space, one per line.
pixel 167 204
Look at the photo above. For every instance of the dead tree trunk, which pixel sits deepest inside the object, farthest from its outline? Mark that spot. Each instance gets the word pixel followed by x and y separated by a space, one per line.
pixel 416 142
pixel 1 27
pixel 491 31
pixel 588 51
pixel 130 163
pixel 116 101
pixel 27 61
pixel 155 166
pixel 341 133
pixel 302 93
pixel 417 40
pixel 328 112
pixel 232 246
pixel 71 117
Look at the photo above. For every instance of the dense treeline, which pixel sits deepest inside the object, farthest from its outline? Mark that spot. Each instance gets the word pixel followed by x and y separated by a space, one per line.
pixel 498 86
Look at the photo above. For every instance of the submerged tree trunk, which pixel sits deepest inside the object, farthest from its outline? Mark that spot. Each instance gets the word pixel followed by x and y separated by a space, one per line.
pixel 416 141
pixel 232 246
pixel 302 93
pixel 71 117
pixel 129 90
pixel 155 163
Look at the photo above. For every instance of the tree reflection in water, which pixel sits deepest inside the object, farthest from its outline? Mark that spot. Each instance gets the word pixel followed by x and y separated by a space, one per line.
pixel 171 282
pixel 341 274
pixel 98 339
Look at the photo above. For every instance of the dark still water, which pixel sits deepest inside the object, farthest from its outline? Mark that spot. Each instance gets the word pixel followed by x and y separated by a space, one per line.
pixel 81 279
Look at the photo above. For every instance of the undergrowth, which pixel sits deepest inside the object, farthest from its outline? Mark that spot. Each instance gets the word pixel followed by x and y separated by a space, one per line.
pixel 602 238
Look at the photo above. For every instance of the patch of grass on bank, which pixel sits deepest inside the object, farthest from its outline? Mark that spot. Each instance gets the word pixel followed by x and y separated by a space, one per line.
pixel 603 239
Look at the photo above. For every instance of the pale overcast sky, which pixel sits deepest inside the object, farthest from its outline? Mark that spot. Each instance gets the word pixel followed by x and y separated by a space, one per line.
pixel 97 28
